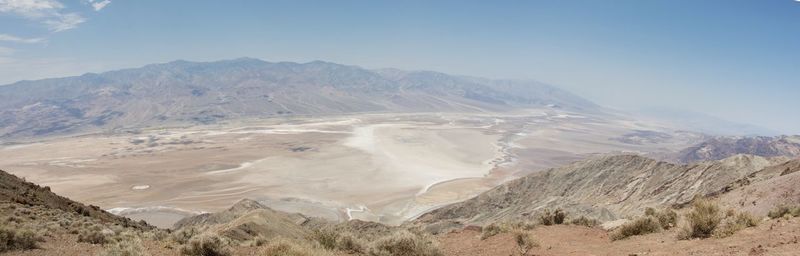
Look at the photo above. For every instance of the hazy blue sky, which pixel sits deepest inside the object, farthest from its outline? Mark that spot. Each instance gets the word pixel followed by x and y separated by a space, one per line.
pixel 739 60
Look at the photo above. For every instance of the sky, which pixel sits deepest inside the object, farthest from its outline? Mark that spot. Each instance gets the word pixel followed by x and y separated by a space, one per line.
pixel 738 60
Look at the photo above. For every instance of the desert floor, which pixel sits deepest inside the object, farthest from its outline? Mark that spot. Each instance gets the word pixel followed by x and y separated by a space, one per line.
pixel 380 167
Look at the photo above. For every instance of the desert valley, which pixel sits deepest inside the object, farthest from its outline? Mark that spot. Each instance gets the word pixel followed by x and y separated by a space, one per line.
pixel 399 128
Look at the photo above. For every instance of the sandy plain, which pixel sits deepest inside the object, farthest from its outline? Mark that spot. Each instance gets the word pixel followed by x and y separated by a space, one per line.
pixel 380 167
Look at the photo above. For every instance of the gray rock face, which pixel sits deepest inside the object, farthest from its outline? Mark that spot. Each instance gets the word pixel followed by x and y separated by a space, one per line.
pixel 605 188
pixel 193 92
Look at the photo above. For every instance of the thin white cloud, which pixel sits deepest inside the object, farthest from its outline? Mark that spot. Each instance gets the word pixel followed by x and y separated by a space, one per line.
pixel 48 12
pixel 64 22
pixel 16 39
pixel 99 5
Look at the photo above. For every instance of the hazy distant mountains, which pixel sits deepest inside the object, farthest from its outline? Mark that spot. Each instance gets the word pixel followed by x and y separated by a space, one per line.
pixel 204 92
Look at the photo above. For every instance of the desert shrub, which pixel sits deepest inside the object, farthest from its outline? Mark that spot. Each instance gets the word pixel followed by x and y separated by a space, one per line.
pixel 259 240
pixel 525 241
pixel 332 240
pixel 702 220
pixel 17 239
pixel 556 217
pixel 157 235
pixel 325 237
pixel 746 219
pixel 351 244
pixel 784 210
pixel 207 245
pixel 284 247
pixel 649 211
pixel 583 221
pixel 491 230
pixel 184 235
pixel 128 247
pixel 667 218
pixel 94 236
pixel 404 243
pixel 732 225
pixel 640 226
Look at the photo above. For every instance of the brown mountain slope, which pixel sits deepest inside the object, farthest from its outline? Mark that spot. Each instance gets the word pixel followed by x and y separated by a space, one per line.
pixel 606 188
pixel 764 190
pixel 16 190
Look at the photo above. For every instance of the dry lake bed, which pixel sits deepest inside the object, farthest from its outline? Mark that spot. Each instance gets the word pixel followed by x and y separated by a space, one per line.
pixel 380 167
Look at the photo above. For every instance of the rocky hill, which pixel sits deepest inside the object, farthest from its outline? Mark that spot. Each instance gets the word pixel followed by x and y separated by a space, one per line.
pixel 247 219
pixel 14 190
pixel 605 188
pixel 722 147
pixel 205 92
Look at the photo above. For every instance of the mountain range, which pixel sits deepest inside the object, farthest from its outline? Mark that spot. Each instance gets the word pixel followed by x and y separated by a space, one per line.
pixel 206 92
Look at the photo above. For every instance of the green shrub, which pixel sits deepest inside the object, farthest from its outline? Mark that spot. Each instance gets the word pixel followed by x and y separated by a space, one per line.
pixel 702 220
pixel 13 239
pixel 207 245
pixel 404 243
pixel 640 226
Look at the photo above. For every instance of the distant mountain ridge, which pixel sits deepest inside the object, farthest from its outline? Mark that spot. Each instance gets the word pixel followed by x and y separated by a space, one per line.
pixel 718 148
pixel 205 92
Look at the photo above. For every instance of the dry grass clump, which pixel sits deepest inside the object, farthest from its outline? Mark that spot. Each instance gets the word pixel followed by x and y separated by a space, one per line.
pixel 525 241
pixel 667 218
pixel 583 221
pixel 351 244
pixel 491 230
pixel 206 245
pixel 640 226
pixel 125 247
pixel 556 217
pixel 17 239
pixel 334 240
pixel 505 227
pixel 701 222
pixel 284 247
pixel 184 235
pixel 404 243
pixel 784 211
pixel 95 235
pixel 734 223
